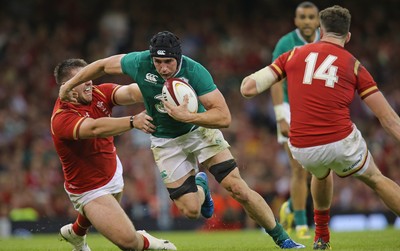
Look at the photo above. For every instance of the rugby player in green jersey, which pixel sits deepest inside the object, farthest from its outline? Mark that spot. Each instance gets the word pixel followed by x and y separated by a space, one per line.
pixel 180 139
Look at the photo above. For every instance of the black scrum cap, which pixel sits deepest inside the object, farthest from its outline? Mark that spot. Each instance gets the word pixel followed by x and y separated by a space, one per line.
pixel 166 44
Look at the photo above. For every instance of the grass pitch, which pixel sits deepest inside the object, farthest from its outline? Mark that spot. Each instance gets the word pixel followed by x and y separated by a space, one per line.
pixel 256 240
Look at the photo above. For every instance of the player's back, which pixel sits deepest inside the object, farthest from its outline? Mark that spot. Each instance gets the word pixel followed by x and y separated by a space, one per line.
pixel 321 83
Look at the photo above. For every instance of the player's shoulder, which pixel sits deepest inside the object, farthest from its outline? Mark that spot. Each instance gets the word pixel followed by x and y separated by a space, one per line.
pixel 287 38
pixel 191 65
pixel 136 57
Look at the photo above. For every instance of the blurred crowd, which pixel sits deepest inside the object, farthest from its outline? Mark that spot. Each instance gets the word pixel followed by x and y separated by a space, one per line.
pixel 230 38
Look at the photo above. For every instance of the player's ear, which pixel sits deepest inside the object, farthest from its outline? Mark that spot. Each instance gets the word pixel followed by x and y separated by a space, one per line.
pixel 348 37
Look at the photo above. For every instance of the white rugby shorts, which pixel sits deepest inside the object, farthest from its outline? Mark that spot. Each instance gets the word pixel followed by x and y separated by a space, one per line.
pixel 178 156
pixel 115 186
pixel 345 157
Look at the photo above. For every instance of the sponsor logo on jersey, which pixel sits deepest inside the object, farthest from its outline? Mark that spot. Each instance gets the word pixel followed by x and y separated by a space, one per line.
pixel 161 52
pixel 151 78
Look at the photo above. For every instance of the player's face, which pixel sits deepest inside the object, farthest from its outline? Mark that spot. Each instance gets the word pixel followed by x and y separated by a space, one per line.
pixel 166 67
pixel 84 90
pixel 307 21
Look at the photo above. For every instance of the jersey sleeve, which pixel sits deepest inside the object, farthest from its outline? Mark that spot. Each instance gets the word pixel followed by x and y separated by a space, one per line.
pixel 65 124
pixel 366 85
pixel 278 66
pixel 204 82
pixel 130 64
pixel 108 90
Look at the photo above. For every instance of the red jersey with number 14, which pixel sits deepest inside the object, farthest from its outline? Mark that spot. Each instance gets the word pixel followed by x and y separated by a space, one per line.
pixel 322 79
pixel 87 163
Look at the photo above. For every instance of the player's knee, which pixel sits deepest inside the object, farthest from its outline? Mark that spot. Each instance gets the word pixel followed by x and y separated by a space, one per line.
pixel 128 241
pixel 188 208
pixel 223 169
pixel 191 211
pixel 239 191
pixel 236 187
pixel 188 186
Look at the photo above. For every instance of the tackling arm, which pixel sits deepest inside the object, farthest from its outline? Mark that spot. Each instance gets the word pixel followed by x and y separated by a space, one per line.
pixel 388 118
pixel 258 82
pixel 110 65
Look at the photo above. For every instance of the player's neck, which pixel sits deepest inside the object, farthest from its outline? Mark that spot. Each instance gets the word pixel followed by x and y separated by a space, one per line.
pixel 333 39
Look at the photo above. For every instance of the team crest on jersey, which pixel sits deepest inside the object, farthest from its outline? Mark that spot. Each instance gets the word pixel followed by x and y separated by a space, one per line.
pixel 101 106
pixel 160 106
pixel 151 78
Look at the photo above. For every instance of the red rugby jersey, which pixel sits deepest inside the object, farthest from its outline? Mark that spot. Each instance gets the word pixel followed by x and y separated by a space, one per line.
pixel 322 79
pixel 87 163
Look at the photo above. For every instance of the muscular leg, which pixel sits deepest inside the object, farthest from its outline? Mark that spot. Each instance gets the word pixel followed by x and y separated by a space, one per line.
pixel 298 194
pixel 189 204
pixel 224 169
pixel 252 202
pixel 387 189
pixel 110 220
pixel 298 184
pixel 322 192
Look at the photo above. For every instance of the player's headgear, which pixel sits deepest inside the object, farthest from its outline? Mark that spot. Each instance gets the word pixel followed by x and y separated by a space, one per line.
pixel 166 44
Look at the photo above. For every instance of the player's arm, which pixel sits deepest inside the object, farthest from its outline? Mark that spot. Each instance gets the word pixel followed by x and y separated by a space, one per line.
pixel 388 118
pixel 128 95
pixel 216 116
pixel 108 126
pixel 103 127
pixel 277 101
pixel 258 82
pixel 110 65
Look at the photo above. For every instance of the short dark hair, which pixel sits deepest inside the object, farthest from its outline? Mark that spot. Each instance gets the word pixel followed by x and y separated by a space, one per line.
pixel 336 19
pixel 307 4
pixel 166 44
pixel 62 72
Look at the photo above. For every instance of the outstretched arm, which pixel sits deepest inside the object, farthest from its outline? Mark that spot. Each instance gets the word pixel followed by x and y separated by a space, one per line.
pixel 110 65
pixel 258 82
pixel 388 118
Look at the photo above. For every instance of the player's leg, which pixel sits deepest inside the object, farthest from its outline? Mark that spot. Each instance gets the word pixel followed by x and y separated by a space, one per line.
pixel 110 220
pixel 187 195
pixel 322 193
pixel 225 171
pixel 108 217
pixel 387 189
pixel 298 195
pixel 178 169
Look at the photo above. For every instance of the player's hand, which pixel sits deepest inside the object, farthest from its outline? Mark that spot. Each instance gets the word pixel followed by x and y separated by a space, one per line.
pixel 67 95
pixel 284 127
pixel 180 112
pixel 143 122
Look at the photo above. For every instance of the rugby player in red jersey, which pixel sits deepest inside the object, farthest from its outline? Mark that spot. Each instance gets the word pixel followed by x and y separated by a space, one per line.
pixel 322 79
pixel 82 133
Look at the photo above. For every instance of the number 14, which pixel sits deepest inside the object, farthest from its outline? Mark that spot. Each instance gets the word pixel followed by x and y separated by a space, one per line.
pixel 326 71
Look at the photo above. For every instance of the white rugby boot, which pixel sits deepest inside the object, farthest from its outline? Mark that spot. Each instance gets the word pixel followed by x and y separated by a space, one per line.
pixel 78 242
pixel 157 244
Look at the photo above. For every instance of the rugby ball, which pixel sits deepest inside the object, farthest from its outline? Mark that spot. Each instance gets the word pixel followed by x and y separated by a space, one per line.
pixel 175 89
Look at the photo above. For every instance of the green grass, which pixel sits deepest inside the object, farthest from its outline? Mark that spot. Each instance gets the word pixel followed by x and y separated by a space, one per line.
pixel 386 240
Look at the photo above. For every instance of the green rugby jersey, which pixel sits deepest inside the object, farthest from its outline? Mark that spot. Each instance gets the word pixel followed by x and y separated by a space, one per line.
pixel 286 43
pixel 139 66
